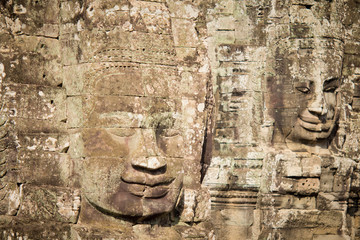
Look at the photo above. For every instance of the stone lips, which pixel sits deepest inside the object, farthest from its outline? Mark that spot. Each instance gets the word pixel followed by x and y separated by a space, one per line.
pixel 147 184
pixel 151 200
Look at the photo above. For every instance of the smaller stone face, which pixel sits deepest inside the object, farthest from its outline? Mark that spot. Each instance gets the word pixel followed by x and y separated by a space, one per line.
pixel 307 102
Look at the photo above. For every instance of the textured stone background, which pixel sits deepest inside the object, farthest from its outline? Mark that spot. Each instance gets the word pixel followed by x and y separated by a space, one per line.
pixel 221 64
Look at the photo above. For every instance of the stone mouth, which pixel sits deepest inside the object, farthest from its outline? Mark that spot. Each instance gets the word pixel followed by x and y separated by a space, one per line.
pixel 314 125
pixel 145 191
pixel 311 119
pixel 141 178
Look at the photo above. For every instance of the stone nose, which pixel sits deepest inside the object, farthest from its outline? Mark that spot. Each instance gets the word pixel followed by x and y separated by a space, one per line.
pixel 149 163
pixel 318 110
pixel 149 144
pixel 318 106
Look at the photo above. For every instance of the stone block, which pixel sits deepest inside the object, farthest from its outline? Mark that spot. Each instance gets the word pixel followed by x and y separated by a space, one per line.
pixel 288 233
pixel 311 167
pixel 188 211
pixel 289 218
pixel 191 169
pixel 49 204
pixel 45 168
pixel 292 168
pixel 186 54
pixel 225 37
pixel 69 10
pixel 74 76
pixel 48 230
pixel 95 232
pixel 192 84
pixel 241 35
pixel 76 146
pixel 330 237
pixel 71 53
pixel 295 202
pixel 308 186
pixel 355 181
pixel 185 231
pixel 203 206
pixel 104 14
pixel 38 18
pixel 184 33
pixel 226 23
pixel 153 16
pixel 74 112
pixel 11 196
pixel 341 184
pixel 183 10
pixel 231 149
pixel 240 217
pixel 327 180
pixel 211 176
pixel 287 185
pixel 39 143
pixel 234 232
pixel 35 61
pixel 233 223
pixel 328 201
pixel 217 177
pixel 225 7
pixel 35 103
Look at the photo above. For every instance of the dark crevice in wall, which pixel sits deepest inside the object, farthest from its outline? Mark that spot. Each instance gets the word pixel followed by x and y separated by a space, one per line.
pixel 208 135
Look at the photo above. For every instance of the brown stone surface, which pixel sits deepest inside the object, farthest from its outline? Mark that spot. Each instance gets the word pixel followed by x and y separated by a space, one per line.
pixel 169 119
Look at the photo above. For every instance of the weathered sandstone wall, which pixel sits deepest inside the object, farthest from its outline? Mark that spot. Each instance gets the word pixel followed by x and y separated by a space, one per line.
pixel 169 119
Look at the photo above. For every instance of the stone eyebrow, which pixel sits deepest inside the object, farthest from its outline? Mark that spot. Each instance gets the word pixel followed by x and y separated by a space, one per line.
pixel 331 81
pixel 154 120
pixel 305 83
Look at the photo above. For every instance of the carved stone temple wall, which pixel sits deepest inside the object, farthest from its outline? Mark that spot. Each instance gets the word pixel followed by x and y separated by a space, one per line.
pixel 180 119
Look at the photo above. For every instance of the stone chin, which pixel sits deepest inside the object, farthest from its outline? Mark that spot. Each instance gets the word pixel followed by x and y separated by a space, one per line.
pixel 139 201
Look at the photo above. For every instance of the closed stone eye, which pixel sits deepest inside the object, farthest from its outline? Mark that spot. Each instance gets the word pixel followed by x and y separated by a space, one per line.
pixel 303 89
pixel 330 89
pixel 122 132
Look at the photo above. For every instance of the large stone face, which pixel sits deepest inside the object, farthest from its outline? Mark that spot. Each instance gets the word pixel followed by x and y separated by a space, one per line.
pixel 132 131
pixel 169 119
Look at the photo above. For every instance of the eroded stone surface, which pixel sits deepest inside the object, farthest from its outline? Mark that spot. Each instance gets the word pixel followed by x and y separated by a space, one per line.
pixel 134 119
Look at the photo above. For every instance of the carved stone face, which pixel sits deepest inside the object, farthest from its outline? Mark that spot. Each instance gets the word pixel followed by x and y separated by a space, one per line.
pixel 133 142
pixel 306 107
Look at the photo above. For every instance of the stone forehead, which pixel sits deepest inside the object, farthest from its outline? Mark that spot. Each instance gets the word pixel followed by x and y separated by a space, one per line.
pixel 134 104
pixel 128 111
pixel 132 79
